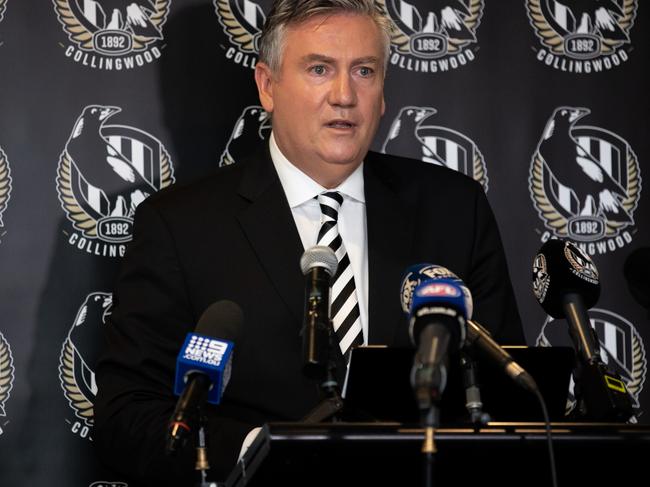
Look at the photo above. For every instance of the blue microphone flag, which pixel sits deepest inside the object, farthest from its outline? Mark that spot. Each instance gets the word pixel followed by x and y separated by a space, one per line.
pixel 208 356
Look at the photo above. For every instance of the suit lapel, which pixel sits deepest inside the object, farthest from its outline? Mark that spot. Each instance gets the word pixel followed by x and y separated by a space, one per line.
pixel 271 230
pixel 389 216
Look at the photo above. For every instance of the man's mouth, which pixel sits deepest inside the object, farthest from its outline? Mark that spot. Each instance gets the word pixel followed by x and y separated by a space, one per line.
pixel 340 124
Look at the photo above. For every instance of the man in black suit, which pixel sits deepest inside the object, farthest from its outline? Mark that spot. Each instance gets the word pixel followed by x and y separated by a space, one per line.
pixel 239 234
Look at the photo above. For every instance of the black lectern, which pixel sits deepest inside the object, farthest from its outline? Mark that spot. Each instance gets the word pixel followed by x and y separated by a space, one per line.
pixel 382 453
pixel 385 454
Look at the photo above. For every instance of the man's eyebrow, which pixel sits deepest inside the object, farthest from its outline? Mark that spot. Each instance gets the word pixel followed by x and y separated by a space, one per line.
pixel 310 58
pixel 366 60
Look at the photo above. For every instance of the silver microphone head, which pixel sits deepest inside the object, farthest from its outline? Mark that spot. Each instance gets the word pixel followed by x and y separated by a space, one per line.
pixel 319 256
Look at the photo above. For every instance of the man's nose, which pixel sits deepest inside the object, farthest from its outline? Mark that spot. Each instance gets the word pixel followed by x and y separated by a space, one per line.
pixel 343 91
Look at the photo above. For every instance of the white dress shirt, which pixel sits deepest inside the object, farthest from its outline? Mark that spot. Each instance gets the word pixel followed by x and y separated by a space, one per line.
pixel 301 191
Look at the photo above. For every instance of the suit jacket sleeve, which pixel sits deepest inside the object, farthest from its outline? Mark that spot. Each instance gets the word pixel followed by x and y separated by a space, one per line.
pixel 151 315
pixel 488 277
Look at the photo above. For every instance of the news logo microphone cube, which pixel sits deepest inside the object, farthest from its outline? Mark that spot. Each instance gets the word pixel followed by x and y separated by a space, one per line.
pixel 204 355
pixel 442 292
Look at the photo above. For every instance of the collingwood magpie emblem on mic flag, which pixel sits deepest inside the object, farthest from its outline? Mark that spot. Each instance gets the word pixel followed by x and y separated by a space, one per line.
pixel 621 348
pixel 412 135
pixel 113 35
pixel 540 277
pixel 430 37
pixel 252 127
pixel 5 188
pixel 585 183
pixel 105 172
pixel 79 354
pixel 581 264
pixel 582 37
pixel 242 21
pixel 6 378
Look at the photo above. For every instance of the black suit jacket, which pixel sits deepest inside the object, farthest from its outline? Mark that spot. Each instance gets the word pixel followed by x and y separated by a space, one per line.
pixel 232 236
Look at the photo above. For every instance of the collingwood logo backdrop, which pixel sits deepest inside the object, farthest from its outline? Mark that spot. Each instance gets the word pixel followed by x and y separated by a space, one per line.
pixel 110 35
pixel 585 183
pixel 582 37
pixel 410 137
pixel 242 21
pixel 6 379
pixel 252 127
pixel 104 172
pixel 430 37
pixel 5 187
pixel 621 348
pixel 78 354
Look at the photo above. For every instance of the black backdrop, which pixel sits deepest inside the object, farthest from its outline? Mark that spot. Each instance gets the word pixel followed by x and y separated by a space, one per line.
pixel 478 98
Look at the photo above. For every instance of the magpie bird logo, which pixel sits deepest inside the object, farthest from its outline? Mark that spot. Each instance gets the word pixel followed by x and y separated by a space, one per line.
pixel 621 348
pixel 242 21
pixel 5 187
pixel 411 135
pixel 78 356
pixel 252 126
pixel 6 378
pixel 582 36
pixel 541 279
pixel 113 34
pixel 104 173
pixel 585 182
pixel 581 263
pixel 433 35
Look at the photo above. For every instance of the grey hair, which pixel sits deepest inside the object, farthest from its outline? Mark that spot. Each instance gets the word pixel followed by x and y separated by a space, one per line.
pixel 290 12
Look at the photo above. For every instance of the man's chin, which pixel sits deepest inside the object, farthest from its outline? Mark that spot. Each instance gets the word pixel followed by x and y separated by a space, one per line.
pixel 349 156
pixel 344 160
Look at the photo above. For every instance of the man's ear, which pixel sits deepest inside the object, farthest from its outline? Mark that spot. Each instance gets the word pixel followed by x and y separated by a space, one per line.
pixel 264 81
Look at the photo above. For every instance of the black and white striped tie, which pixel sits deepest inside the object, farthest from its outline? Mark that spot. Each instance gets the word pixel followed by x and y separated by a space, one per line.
pixel 345 305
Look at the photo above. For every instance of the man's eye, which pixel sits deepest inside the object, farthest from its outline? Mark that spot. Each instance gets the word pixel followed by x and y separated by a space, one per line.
pixel 318 69
pixel 365 71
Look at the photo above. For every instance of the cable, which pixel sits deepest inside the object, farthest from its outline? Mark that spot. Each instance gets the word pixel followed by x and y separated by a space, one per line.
pixel 547 423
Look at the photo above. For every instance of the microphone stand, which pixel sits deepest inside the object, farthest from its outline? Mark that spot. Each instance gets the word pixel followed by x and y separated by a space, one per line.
pixel 473 402
pixel 430 420
pixel 329 386
pixel 427 385
pixel 600 392
pixel 202 464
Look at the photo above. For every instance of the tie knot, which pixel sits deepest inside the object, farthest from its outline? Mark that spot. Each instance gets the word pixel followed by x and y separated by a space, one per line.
pixel 330 199
pixel 330 202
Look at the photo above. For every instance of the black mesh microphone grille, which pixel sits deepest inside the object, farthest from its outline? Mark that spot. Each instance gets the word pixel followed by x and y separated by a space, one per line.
pixel 222 319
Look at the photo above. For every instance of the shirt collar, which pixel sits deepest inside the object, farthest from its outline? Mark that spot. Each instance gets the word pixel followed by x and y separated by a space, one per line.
pixel 300 188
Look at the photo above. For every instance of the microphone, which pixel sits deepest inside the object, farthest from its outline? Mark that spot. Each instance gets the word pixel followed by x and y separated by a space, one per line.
pixel 203 368
pixel 437 323
pixel 477 335
pixel 416 274
pixel 318 264
pixel 566 284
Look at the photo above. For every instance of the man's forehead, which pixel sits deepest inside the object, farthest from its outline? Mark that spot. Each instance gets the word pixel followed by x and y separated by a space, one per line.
pixel 328 35
pixel 320 22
